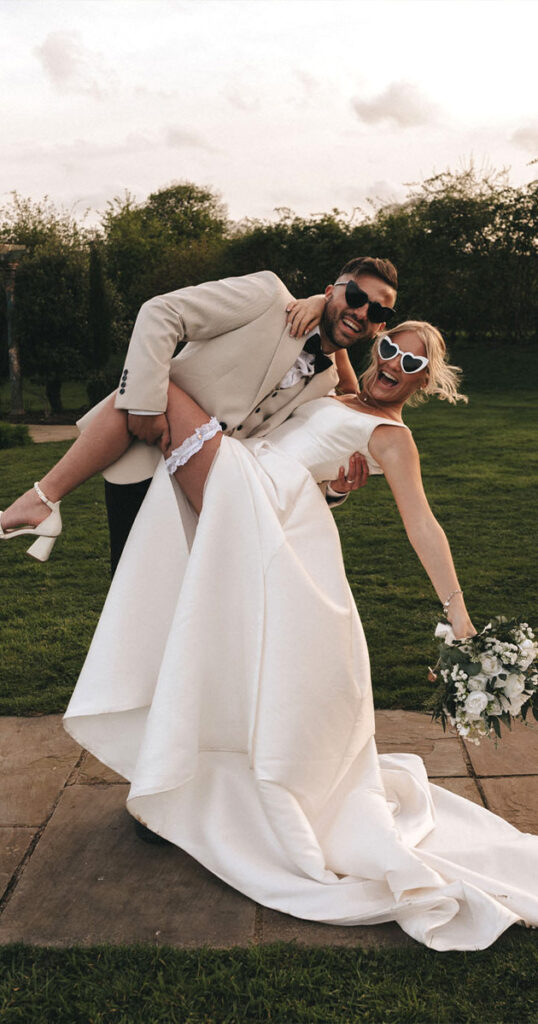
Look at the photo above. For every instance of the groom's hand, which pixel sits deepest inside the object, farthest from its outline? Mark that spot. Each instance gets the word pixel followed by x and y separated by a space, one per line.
pixel 151 429
pixel 356 476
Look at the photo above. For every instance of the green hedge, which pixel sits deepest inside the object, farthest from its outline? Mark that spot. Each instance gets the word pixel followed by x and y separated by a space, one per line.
pixel 14 435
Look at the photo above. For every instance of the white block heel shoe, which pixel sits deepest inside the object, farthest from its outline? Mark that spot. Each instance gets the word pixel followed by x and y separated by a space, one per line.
pixel 46 533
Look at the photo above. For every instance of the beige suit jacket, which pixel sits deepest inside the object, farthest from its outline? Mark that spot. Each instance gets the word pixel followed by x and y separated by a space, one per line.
pixel 239 349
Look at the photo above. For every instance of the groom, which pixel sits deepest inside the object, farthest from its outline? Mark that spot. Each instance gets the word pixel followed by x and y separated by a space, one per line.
pixel 240 363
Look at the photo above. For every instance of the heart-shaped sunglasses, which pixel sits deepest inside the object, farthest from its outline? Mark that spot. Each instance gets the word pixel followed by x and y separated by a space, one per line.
pixel 409 362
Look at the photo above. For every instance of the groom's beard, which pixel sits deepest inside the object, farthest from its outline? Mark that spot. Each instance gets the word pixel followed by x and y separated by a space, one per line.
pixel 327 330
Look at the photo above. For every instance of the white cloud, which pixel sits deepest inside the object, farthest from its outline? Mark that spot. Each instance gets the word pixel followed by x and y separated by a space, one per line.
pixel 242 98
pixel 71 67
pixel 402 103
pixel 367 198
pixel 527 138
pixel 178 138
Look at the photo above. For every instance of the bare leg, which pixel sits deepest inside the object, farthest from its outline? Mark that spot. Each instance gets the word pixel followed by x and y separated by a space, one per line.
pixel 103 441
pixel 184 416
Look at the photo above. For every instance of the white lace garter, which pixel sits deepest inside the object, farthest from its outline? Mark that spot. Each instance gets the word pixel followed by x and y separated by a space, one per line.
pixel 192 444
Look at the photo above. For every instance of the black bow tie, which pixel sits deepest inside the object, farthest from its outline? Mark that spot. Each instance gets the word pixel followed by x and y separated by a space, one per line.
pixel 313 347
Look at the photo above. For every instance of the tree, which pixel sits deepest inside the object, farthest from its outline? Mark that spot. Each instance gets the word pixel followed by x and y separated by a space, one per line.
pixel 305 252
pixel 171 240
pixel 52 292
pixel 52 318
pixel 99 318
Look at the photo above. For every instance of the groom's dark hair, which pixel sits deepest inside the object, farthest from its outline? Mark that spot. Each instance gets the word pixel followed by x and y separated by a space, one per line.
pixel 383 269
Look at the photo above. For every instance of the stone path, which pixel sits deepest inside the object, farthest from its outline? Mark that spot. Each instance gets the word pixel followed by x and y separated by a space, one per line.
pixel 72 869
pixel 40 432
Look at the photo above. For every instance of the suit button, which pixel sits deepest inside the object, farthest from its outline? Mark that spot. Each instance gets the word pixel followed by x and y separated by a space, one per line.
pixel 275 393
pixel 240 427
pixel 223 425
pixel 122 391
pixel 259 409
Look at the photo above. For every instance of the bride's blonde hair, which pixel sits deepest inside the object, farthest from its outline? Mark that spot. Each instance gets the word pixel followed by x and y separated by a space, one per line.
pixel 443 379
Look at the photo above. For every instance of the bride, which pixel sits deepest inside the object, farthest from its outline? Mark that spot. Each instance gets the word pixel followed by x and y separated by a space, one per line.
pixel 228 678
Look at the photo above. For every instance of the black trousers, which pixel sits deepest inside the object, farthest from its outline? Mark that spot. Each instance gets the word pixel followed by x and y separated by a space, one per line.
pixel 122 504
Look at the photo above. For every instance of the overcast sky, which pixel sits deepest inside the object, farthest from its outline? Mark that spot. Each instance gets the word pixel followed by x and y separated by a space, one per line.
pixel 300 103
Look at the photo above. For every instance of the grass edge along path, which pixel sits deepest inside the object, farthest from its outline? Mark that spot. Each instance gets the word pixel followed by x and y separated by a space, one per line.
pixel 279 983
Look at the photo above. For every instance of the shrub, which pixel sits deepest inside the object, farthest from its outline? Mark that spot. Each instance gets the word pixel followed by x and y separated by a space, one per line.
pixel 14 435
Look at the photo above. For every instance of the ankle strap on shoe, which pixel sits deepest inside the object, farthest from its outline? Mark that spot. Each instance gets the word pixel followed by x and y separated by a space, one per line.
pixel 45 500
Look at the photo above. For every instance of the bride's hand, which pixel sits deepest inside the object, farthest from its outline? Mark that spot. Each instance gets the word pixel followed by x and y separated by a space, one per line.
pixel 357 475
pixel 151 429
pixel 304 314
pixel 462 626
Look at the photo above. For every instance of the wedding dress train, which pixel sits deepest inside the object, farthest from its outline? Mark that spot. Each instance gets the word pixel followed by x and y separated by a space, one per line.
pixel 228 680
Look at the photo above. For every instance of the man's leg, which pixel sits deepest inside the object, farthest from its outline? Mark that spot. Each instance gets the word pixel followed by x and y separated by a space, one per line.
pixel 123 502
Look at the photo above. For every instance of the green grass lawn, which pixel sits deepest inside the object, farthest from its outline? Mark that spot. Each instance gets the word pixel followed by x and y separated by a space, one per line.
pixel 479 467
pixel 74 396
pixel 278 984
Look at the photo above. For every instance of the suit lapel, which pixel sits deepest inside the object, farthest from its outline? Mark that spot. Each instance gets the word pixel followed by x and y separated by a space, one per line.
pixel 285 355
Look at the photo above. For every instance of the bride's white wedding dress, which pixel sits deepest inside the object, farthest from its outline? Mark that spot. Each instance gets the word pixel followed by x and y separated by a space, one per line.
pixel 228 681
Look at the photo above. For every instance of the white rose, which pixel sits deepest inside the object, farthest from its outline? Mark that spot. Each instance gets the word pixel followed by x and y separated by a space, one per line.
pixel 490 664
pixel 517 703
pixel 477 682
pixel 444 631
pixel 513 686
pixel 527 653
pixel 475 704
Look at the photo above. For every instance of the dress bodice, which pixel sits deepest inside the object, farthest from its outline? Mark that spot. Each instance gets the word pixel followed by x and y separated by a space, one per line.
pixel 322 435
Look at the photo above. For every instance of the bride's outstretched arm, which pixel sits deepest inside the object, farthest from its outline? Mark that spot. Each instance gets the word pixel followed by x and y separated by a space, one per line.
pixel 396 453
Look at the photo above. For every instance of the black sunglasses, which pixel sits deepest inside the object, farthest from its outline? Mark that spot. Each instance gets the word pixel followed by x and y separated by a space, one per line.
pixel 355 297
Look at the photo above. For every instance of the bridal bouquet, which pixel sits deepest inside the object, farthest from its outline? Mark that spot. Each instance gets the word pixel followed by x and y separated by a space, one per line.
pixel 485 679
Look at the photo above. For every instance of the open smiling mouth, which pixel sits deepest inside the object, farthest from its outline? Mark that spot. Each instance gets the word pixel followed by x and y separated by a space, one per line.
pixel 387 378
pixel 351 325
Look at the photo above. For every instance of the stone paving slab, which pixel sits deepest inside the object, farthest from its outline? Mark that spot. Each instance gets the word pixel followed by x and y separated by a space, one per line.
pixel 411 732
pixel 442 757
pixel 462 787
pixel 14 843
pixel 91 771
pixel 395 727
pixel 515 799
pixel 36 758
pixel 515 754
pixel 40 432
pixel 277 927
pixel 91 880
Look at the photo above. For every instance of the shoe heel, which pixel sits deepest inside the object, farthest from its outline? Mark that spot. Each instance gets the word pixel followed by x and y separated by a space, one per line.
pixel 41 548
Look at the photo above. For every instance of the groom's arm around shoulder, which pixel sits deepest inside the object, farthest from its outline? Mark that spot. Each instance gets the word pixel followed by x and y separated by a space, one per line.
pixel 196 313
